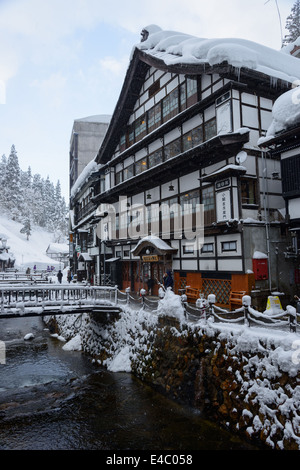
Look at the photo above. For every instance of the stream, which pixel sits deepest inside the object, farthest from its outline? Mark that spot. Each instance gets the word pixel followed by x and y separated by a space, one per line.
pixel 52 399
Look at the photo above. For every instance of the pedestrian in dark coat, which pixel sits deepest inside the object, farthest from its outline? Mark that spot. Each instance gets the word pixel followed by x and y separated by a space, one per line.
pixel 59 276
pixel 168 280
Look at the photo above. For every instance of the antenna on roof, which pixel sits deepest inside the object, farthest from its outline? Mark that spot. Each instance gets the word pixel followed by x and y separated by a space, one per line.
pixel 279 16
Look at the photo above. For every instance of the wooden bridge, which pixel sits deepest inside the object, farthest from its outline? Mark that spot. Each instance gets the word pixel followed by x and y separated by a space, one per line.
pixel 32 300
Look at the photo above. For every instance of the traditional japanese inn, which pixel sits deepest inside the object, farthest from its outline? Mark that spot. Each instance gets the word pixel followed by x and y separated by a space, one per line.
pixel 182 182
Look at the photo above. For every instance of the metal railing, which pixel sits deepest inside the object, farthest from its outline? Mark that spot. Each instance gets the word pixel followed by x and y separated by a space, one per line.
pixel 206 309
pixel 22 297
pixel 246 314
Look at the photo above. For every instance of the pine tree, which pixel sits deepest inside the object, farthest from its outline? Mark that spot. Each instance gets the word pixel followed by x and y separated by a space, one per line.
pixel 31 199
pixel 3 164
pixel 293 24
pixel 26 227
pixel 12 190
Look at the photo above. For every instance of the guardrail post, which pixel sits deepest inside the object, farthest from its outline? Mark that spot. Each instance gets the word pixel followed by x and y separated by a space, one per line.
pixel 246 301
pixel 127 290
pixel 183 298
pixel 211 300
pixel 292 313
pixel 143 293
pixel 116 295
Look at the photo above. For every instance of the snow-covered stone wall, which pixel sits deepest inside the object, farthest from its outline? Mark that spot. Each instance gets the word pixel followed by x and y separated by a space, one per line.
pixel 245 378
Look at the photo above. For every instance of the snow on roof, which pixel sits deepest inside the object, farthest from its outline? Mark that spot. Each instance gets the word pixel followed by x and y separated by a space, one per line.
pixel 88 170
pixel 160 244
pixel 58 248
pixel 285 114
pixel 177 48
pixel 291 46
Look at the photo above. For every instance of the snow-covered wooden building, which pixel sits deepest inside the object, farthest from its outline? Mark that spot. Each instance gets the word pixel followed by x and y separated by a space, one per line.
pixel 185 130
pixel 283 141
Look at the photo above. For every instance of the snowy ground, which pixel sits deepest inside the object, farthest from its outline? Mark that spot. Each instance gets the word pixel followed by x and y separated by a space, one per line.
pixel 27 253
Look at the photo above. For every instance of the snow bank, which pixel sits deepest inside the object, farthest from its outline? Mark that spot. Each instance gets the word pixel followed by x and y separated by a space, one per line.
pixel 171 305
pixel 74 344
pixel 177 48
pixel 121 362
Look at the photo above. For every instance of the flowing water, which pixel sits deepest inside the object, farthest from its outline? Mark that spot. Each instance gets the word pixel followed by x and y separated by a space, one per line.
pixel 51 399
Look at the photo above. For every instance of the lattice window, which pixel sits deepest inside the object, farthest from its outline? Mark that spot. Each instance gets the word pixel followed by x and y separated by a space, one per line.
pixel 182 283
pixel 220 287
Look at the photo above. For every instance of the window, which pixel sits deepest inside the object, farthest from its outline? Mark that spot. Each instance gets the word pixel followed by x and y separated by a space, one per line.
pixel 130 135
pixel 208 200
pixel 229 246
pixel 191 91
pixel 155 158
pixel 141 166
pixel 192 138
pixel 207 248
pixel 170 105
pixel 291 176
pixel 182 96
pixel 154 88
pixel 188 249
pixel 119 177
pixel 210 129
pixel 154 117
pixel 126 253
pixel 128 172
pixel 122 142
pixel 192 199
pixel 140 128
pixel 248 189
pixel 172 149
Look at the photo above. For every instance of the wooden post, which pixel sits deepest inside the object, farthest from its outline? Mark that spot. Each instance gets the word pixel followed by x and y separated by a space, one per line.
pixel 246 300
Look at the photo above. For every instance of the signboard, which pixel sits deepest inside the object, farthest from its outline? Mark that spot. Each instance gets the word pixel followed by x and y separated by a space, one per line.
pixel 150 258
pixel 223 202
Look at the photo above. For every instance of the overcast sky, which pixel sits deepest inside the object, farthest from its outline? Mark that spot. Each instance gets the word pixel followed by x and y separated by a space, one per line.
pixel 66 59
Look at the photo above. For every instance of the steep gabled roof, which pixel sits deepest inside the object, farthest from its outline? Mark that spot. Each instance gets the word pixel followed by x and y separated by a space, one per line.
pixel 258 65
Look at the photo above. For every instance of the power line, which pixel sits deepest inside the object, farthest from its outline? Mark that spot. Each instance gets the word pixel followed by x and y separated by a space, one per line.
pixel 279 16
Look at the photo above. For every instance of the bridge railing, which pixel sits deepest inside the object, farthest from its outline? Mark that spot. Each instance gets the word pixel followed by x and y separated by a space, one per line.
pixel 29 296
pixel 49 295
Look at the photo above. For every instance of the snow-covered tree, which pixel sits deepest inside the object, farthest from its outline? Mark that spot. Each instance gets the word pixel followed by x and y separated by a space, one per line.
pixel 3 164
pixel 31 199
pixel 293 24
pixel 12 188
pixel 26 227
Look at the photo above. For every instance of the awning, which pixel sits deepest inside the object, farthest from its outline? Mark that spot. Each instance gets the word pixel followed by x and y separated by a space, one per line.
pixel 111 260
pixel 84 257
pixel 160 246
pixel 228 170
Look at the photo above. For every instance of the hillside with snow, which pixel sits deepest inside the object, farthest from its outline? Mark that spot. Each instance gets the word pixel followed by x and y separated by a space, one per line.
pixel 27 253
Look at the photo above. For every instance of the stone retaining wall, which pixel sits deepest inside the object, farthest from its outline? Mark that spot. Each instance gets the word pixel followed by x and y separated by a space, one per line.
pixel 247 382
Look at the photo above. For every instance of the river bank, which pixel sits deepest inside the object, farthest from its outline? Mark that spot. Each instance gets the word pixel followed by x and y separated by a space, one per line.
pixel 56 398
pixel 244 378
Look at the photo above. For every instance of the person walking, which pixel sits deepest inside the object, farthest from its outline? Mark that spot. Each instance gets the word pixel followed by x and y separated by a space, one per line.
pixel 168 280
pixel 59 276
